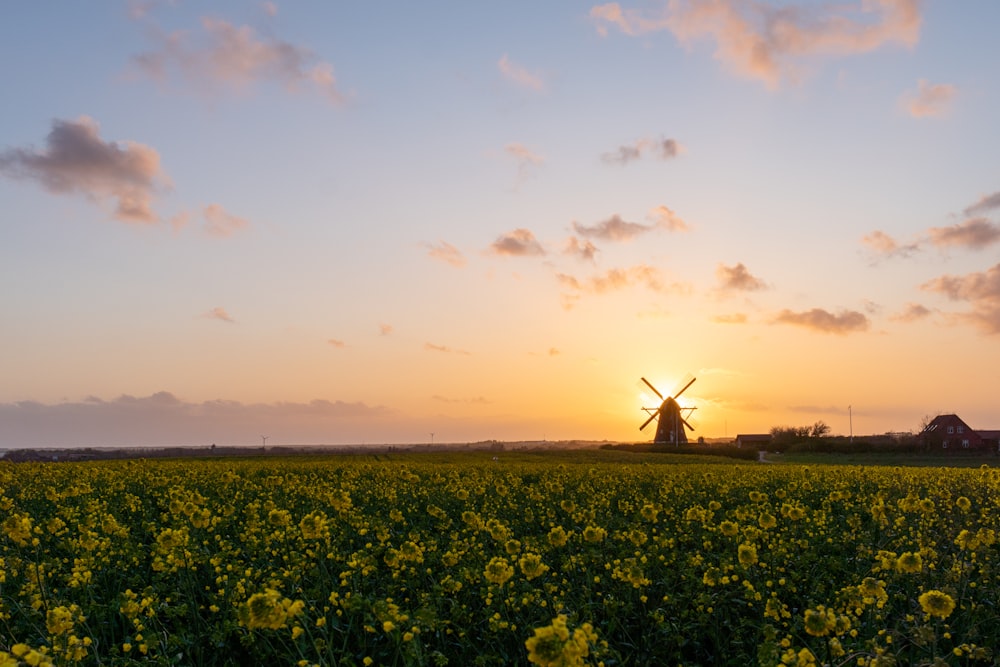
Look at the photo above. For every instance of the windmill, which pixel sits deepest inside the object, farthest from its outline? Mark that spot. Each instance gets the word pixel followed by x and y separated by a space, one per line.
pixel 670 416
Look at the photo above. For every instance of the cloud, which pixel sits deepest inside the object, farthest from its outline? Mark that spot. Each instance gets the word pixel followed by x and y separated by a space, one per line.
pixel 385 329
pixel 76 159
pixel 220 224
pixel 163 419
pixel 668 220
pixel 930 100
pixel 526 159
pixel 431 347
pixel 760 41
pixel 818 319
pixel 912 313
pixel 734 318
pixel 738 279
pixel 663 149
pixel 981 290
pixel 985 204
pixel 336 343
pixel 518 243
pixel 520 76
pixel 476 400
pixel 584 250
pixel 974 234
pixel 226 54
pixel 447 253
pixel 883 244
pixel 641 275
pixel 613 229
pixel 218 313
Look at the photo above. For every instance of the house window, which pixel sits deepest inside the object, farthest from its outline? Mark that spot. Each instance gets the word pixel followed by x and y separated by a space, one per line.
pixel 965 443
pixel 944 444
pixel 951 429
pixel 961 429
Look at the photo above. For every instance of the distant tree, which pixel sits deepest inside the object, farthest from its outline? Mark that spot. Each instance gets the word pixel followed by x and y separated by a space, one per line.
pixel 924 422
pixel 819 429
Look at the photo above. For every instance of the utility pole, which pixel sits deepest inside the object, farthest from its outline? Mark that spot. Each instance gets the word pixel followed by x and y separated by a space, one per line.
pixel 850 417
pixel 263 440
pixel 432 438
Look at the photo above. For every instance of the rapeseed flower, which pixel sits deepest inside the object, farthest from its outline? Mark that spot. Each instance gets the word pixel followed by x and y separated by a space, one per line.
pixel 498 571
pixel 936 603
pixel 555 646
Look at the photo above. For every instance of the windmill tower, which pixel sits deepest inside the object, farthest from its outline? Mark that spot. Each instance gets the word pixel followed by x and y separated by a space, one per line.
pixel 670 416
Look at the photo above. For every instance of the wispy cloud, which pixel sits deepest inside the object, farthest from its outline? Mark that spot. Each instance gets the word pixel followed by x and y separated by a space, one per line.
pixel 732 318
pixel 981 290
pixel 584 250
pixel 221 224
pixel 974 234
pixel 518 243
pixel 760 41
pixel 912 313
pixel 984 205
pixel 641 275
pixel 519 75
pixel 884 245
pixel 668 220
pixel 738 279
pixel 931 100
pixel 163 419
pixel 218 313
pixel 385 329
pixel 335 342
pixel 222 53
pixel 475 400
pixel 431 347
pixel 76 159
pixel 446 252
pixel 664 149
pixel 613 229
pixel 817 319
pixel 525 157
pixel 971 234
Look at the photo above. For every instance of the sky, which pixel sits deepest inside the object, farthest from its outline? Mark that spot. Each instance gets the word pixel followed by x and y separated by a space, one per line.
pixel 339 223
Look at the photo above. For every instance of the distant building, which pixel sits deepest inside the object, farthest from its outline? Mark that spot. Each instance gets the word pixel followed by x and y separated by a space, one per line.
pixel 758 440
pixel 950 432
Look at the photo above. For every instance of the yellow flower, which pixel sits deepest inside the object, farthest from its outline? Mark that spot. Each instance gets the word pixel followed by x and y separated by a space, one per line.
pixel 269 610
pixel 909 563
pixel 594 534
pixel 820 621
pixel 728 528
pixel 554 645
pixel 498 571
pixel 314 526
pixel 532 566
pixel 963 503
pixel 747 555
pixel 558 536
pixel 936 603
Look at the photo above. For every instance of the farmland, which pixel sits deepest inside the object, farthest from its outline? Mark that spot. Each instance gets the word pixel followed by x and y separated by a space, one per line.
pixel 560 559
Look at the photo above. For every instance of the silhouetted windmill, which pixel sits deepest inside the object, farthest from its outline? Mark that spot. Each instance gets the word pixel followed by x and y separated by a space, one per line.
pixel 671 420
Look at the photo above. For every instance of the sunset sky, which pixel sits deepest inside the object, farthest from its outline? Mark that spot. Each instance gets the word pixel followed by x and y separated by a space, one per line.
pixel 332 222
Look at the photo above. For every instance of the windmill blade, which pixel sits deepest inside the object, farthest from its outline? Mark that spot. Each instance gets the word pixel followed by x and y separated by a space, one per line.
pixel 652 387
pixel 651 418
pixel 689 380
pixel 685 422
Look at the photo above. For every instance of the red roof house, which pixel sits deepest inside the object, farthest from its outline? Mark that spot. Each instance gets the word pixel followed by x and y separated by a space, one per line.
pixel 950 432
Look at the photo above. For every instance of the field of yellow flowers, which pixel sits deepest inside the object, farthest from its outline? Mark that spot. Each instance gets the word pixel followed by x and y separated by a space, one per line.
pixel 547 559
